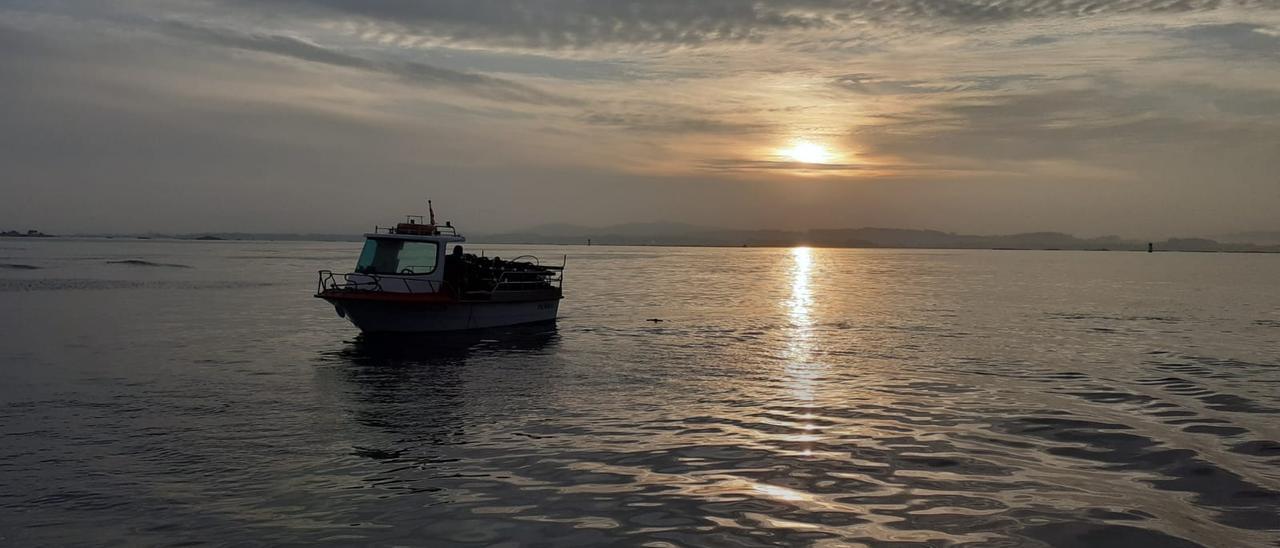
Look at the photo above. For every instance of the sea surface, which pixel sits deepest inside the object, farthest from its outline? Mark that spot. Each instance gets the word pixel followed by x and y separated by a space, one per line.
pixel 162 392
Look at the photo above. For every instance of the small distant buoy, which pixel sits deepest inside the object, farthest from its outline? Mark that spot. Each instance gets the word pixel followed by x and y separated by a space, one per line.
pixel 654 320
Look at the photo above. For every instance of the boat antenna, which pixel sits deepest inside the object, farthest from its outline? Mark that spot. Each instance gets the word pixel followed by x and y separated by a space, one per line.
pixel 432 212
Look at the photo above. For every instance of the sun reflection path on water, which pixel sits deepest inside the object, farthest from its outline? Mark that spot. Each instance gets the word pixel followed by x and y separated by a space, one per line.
pixel 799 332
pixel 801 296
pixel 802 373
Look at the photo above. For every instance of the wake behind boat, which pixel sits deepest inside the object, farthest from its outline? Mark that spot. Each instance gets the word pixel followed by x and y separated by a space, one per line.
pixel 405 281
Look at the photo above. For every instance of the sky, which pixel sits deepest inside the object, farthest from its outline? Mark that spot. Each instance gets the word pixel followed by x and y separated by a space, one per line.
pixel 1133 117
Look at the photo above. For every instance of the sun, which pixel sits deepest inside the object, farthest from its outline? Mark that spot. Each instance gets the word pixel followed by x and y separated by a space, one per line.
pixel 807 152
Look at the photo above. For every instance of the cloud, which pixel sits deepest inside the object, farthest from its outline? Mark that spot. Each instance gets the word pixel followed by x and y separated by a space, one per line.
pixel 743 165
pixel 1236 37
pixel 1101 127
pixel 871 84
pixel 656 123
pixel 576 24
pixel 926 103
pixel 556 24
pixel 416 72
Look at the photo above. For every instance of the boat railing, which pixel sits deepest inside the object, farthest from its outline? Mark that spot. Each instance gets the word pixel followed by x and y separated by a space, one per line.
pixel 328 282
pixel 524 279
pixel 508 279
pixel 358 281
pixel 417 230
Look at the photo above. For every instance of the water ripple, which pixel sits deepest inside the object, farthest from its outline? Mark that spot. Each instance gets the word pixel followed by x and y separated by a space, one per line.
pixel 820 397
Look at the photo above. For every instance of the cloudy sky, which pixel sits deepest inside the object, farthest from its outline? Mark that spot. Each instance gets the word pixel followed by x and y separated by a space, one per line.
pixel 1134 117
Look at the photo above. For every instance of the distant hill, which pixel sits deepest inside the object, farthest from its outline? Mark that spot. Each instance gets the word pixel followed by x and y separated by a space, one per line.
pixel 625 230
pixel 215 236
pixel 639 234
pixel 685 234
pixel 284 237
pixel 681 234
pixel 1258 237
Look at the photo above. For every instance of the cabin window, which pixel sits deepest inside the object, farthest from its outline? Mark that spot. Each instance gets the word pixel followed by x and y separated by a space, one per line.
pixel 386 256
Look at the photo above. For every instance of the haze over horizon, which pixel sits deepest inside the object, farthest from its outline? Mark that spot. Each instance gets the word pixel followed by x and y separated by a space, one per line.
pixel 1140 118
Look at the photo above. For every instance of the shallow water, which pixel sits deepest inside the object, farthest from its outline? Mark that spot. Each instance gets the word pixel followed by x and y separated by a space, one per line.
pixel 156 392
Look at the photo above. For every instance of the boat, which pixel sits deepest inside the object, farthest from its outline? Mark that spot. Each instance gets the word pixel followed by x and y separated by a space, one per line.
pixel 415 277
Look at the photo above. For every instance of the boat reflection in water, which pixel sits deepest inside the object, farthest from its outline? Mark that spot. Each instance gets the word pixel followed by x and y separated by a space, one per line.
pixel 423 416
pixel 419 386
pixel 412 349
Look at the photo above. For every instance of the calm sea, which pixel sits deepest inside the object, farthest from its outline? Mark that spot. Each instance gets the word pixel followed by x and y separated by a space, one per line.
pixel 159 392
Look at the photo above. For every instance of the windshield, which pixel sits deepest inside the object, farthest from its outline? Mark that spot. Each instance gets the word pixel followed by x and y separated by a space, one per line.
pixel 381 256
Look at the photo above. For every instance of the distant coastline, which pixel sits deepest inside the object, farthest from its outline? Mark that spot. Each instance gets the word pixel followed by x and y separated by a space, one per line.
pixel 27 234
pixel 680 235
pixel 872 238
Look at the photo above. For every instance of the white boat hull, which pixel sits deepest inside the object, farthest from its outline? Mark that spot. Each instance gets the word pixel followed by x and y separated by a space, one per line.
pixel 393 317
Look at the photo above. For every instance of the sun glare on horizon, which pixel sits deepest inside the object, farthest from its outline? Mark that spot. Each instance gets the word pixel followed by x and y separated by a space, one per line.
pixel 807 152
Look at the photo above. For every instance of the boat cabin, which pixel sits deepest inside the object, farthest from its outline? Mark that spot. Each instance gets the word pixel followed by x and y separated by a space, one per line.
pixel 422 258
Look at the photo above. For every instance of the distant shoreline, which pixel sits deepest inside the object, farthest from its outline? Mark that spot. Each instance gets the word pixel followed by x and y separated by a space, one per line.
pixel 481 241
